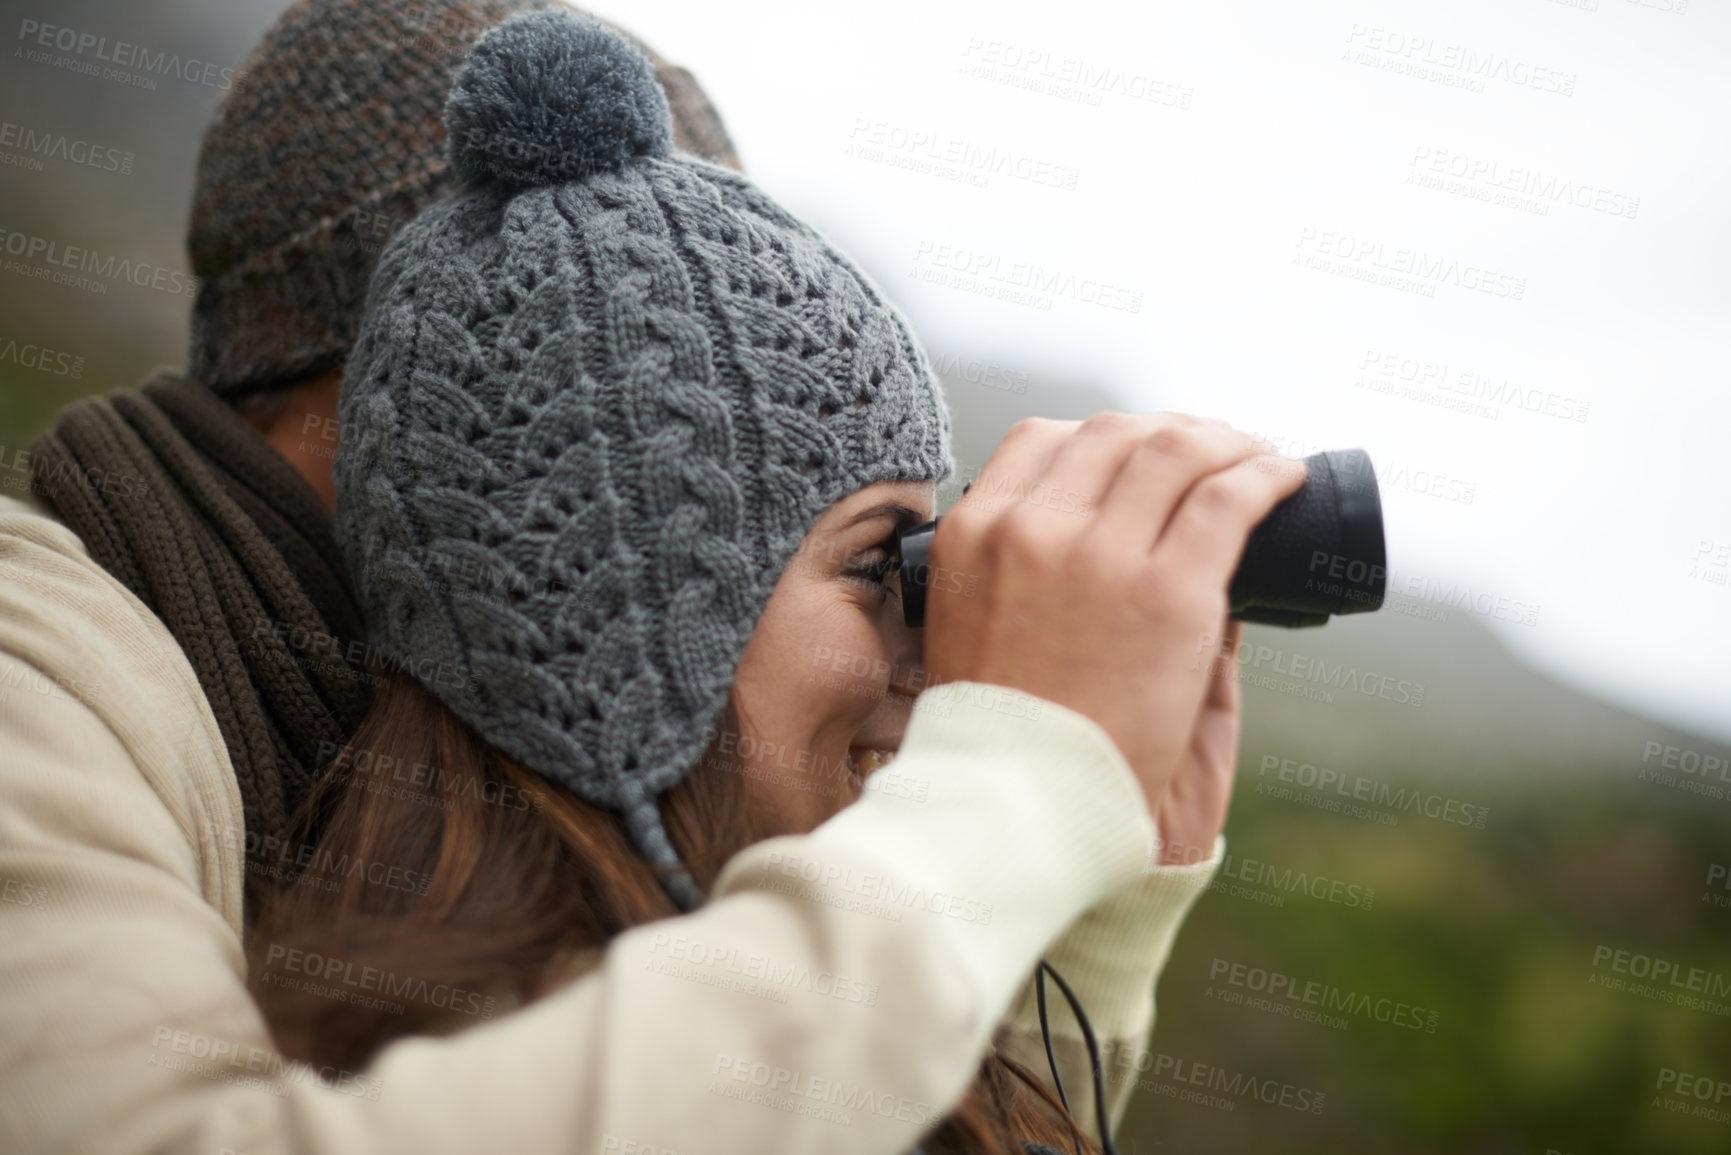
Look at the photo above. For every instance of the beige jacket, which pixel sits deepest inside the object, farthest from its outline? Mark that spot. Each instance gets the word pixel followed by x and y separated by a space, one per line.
pixel 835 994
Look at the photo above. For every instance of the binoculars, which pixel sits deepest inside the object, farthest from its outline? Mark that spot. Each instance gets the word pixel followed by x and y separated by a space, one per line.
pixel 1319 552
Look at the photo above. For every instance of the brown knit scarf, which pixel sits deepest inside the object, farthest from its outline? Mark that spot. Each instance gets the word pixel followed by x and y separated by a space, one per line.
pixel 188 507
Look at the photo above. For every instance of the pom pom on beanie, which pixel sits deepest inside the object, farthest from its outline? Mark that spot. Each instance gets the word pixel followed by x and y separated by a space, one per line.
pixel 550 97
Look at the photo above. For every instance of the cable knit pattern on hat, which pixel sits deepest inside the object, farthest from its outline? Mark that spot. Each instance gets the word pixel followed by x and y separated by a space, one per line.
pixel 586 425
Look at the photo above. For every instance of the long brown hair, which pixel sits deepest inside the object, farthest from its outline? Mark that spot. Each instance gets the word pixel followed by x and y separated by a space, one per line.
pixel 422 851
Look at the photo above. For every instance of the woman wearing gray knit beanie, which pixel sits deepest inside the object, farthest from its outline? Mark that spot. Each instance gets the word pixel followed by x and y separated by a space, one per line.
pixel 625 450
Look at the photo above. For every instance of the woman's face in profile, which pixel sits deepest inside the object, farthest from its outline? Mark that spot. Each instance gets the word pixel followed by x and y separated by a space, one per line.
pixel 831 672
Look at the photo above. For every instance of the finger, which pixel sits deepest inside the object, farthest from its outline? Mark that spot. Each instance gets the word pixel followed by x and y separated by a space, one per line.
pixel 1081 472
pixel 1014 465
pixel 1207 532
pixel 1160 469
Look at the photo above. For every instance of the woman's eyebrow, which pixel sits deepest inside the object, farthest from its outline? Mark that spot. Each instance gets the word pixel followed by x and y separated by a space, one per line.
pixel 905 515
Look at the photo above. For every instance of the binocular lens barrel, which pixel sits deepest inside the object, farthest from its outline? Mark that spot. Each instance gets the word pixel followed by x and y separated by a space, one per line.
pixel 1319 552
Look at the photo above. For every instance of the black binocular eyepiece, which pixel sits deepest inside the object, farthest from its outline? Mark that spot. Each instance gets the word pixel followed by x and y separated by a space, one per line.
pixel 1319 552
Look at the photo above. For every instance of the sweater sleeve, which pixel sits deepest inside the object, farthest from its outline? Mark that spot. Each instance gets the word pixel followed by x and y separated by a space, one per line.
pixel 836 993
pixel 1112 957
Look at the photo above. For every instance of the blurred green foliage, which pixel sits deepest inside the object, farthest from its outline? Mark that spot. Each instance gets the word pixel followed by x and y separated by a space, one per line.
pixel 1495 929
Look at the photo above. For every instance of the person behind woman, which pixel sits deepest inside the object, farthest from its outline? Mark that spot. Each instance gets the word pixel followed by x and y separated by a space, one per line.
pixel 625 446
pixel 208 494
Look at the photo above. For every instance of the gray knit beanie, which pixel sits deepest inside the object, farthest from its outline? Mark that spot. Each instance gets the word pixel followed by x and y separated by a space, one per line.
pixel 597 399
pixel 329 140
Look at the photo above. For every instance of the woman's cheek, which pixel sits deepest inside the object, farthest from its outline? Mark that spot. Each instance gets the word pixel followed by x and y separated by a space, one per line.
pixel 857 671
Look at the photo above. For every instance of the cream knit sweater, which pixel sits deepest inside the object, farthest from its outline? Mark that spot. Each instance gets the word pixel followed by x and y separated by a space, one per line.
pixel 835 994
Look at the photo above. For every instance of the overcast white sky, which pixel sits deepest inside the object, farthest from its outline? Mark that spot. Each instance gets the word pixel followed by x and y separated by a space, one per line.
pixel 1238 209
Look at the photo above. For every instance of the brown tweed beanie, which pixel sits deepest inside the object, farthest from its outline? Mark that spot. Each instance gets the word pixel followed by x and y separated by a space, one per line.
pixel 331 139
